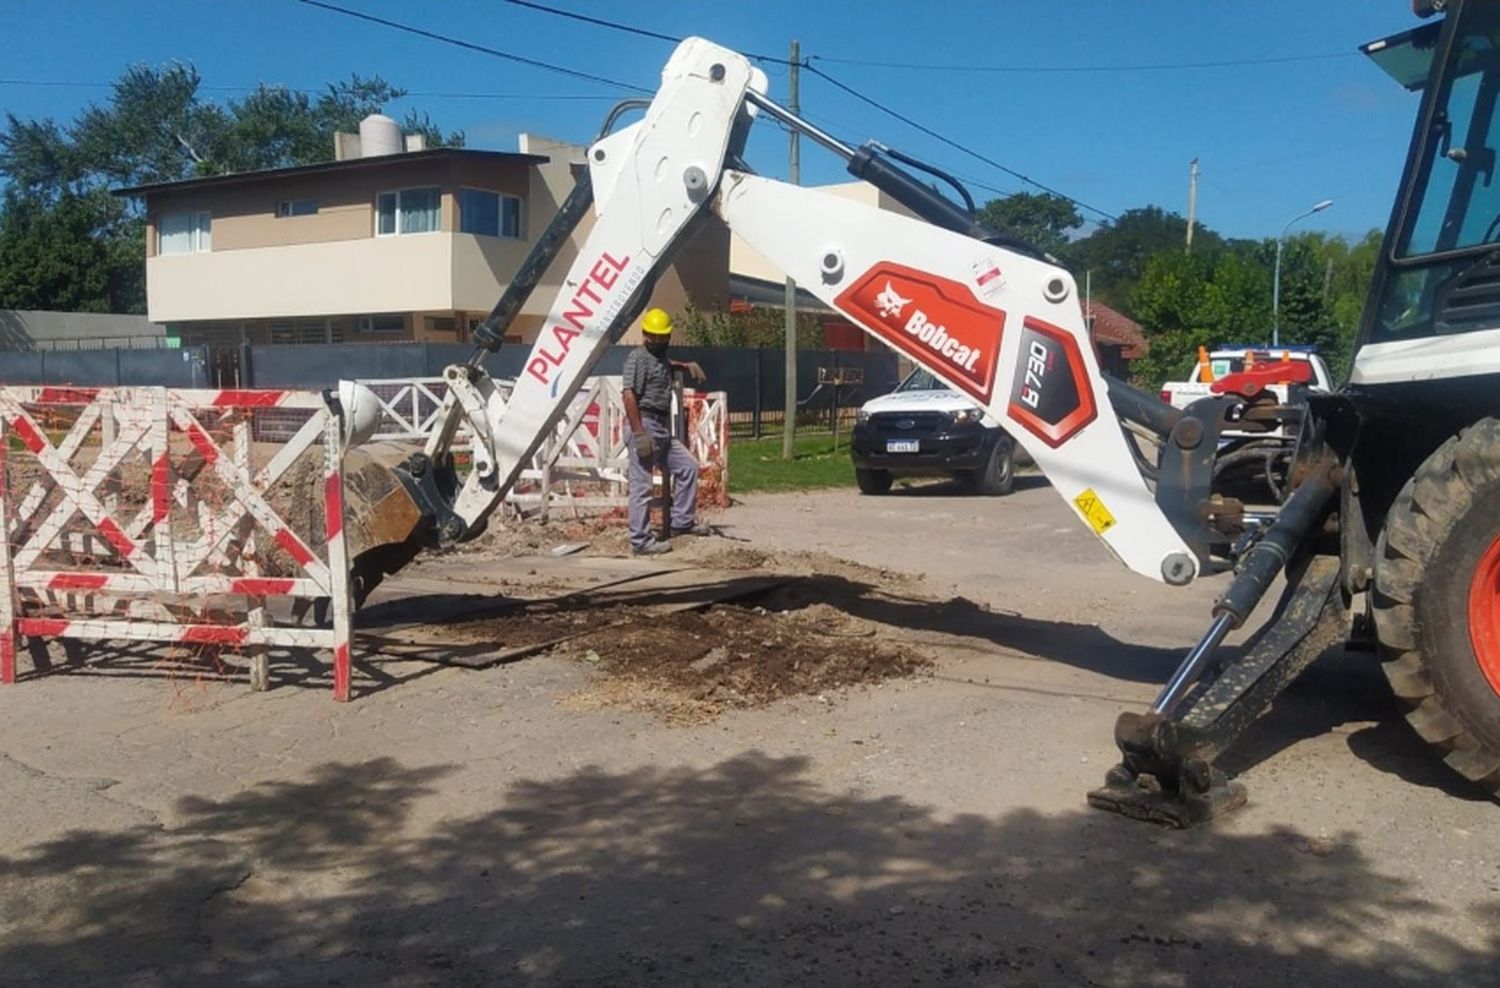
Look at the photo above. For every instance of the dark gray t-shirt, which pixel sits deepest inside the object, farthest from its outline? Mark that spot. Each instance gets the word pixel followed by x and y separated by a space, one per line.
pixel 650 377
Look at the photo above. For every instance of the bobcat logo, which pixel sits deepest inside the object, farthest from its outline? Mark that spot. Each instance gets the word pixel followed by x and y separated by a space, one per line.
pixel 889 303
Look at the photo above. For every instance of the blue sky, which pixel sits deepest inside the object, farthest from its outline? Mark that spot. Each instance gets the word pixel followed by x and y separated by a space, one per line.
pixel 1271 138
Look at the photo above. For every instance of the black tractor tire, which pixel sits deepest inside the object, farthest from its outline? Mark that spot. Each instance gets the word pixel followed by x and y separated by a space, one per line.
pixel 873 481
pixel 1436 580
pixel 998 476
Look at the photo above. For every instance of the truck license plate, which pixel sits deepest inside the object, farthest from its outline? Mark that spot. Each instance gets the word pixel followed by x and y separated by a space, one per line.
pixel 903 445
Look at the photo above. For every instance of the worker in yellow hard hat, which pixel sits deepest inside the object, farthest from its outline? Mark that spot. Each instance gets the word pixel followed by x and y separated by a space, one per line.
pixel 647 392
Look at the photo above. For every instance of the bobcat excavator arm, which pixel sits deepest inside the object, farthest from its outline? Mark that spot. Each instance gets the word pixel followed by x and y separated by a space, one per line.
pixel 995 319
pixel 1004 326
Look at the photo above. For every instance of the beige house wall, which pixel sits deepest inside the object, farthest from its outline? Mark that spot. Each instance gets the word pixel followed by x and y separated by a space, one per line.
pixel 386 274
pixel 747 263
pixel 331 264
pixel 244 216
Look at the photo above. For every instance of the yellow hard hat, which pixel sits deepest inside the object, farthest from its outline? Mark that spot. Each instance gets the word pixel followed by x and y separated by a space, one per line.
pixel 656 322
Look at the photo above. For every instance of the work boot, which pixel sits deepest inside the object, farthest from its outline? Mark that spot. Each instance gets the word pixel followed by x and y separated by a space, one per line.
pixel 651 549
pixel 698 528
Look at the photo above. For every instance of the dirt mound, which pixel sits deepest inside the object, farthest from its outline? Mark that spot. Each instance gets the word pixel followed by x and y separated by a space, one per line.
pixel 690 666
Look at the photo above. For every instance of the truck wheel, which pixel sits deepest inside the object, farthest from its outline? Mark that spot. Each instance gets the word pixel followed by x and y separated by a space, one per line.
pixel 873 481
pixel 999 473
pixel 1437 601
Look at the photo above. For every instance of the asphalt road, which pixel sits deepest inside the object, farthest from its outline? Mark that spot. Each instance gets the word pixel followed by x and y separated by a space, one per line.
pixel 454 826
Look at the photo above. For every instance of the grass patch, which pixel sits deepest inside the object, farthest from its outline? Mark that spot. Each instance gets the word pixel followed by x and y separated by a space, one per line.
pixel 756 464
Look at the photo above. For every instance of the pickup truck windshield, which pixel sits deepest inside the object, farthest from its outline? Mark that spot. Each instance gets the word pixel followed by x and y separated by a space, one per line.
pixel 921 380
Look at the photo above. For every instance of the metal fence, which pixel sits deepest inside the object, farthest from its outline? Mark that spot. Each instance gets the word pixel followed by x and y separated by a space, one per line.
pixel 122 342
pixel 116 367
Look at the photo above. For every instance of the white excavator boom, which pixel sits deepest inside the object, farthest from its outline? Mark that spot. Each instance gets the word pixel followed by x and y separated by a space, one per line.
pixel 1001 326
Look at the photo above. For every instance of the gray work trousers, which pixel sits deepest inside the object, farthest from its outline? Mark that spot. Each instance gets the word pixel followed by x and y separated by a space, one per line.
pixel 679 464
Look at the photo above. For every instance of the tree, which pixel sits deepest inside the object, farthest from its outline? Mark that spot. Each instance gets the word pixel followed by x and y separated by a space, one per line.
pixel 1223 294
pixel 51 257
pixel 1043 219
pixel 754 327
pixel 1178 310
pixel 66 243
pixel 1115 255
pixel 1343 283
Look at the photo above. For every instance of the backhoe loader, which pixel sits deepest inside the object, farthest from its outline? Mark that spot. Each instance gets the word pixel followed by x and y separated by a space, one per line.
pixel 1387 533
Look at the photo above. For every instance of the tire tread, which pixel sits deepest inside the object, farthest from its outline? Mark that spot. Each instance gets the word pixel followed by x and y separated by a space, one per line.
pixel 1432 500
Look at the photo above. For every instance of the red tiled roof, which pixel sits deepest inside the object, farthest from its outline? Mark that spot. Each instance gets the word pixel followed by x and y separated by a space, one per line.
pixel 1111 328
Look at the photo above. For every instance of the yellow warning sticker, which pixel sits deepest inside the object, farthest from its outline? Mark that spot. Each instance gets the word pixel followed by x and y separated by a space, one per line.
pixel 1094 512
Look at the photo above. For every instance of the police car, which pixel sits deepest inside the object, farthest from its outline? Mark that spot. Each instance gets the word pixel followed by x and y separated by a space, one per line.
pixel 926 429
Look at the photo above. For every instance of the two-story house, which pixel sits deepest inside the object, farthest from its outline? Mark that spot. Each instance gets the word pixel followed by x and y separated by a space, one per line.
pixel 404 245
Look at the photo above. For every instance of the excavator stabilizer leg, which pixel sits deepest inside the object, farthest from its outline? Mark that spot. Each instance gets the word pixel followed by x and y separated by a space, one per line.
pixel 1167 774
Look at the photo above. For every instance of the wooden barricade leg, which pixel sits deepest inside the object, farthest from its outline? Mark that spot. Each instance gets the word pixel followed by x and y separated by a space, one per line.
pixel 338 555
pixel 8 596
pixel 721 400
pixel 256 652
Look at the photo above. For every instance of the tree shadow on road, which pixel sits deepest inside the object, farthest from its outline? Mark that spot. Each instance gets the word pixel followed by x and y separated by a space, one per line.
pixel 747 872
pixel 1085 646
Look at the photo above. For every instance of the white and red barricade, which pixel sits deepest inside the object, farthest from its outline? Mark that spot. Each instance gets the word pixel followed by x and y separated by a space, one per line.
pixel 708 439
pixel 162 515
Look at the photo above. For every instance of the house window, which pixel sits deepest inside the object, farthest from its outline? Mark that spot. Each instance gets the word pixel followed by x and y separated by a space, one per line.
pixel 381 322
pixel 296 207
pixel 489 214
pixel 407 211
pixel 305 331
pixel 184 233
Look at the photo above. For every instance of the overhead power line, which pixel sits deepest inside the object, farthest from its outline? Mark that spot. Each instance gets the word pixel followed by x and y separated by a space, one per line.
pixel 954 144
pixel 471 46
pixel 627 28
pixel 807 63
pixel 644 32
pixel 428 93
pixel 838 130
pixel 1054 69
pixel 944 67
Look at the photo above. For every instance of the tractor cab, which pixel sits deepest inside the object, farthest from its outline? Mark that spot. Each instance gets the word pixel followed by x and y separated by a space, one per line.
pixel 1439 272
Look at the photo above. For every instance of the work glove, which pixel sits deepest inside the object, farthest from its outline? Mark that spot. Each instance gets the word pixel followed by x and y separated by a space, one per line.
pixel 693 370
pixel 645 447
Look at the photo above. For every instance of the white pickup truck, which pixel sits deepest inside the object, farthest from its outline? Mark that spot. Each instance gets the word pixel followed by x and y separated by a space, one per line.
pixel 1231 360
pixel 924 429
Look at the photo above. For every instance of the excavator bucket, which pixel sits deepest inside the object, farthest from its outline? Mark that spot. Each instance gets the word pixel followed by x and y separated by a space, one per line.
pixel 384 527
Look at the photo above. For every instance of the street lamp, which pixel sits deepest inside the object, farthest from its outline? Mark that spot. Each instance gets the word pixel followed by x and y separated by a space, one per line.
pixel 1276 282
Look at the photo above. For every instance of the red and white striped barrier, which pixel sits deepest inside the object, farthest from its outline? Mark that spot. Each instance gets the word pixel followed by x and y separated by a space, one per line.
pixel 584 464
pixel 152 514
pixel 708 438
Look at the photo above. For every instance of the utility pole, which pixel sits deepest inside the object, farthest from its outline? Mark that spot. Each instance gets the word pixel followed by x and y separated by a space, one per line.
pixel 1192 202
pixel 794 174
